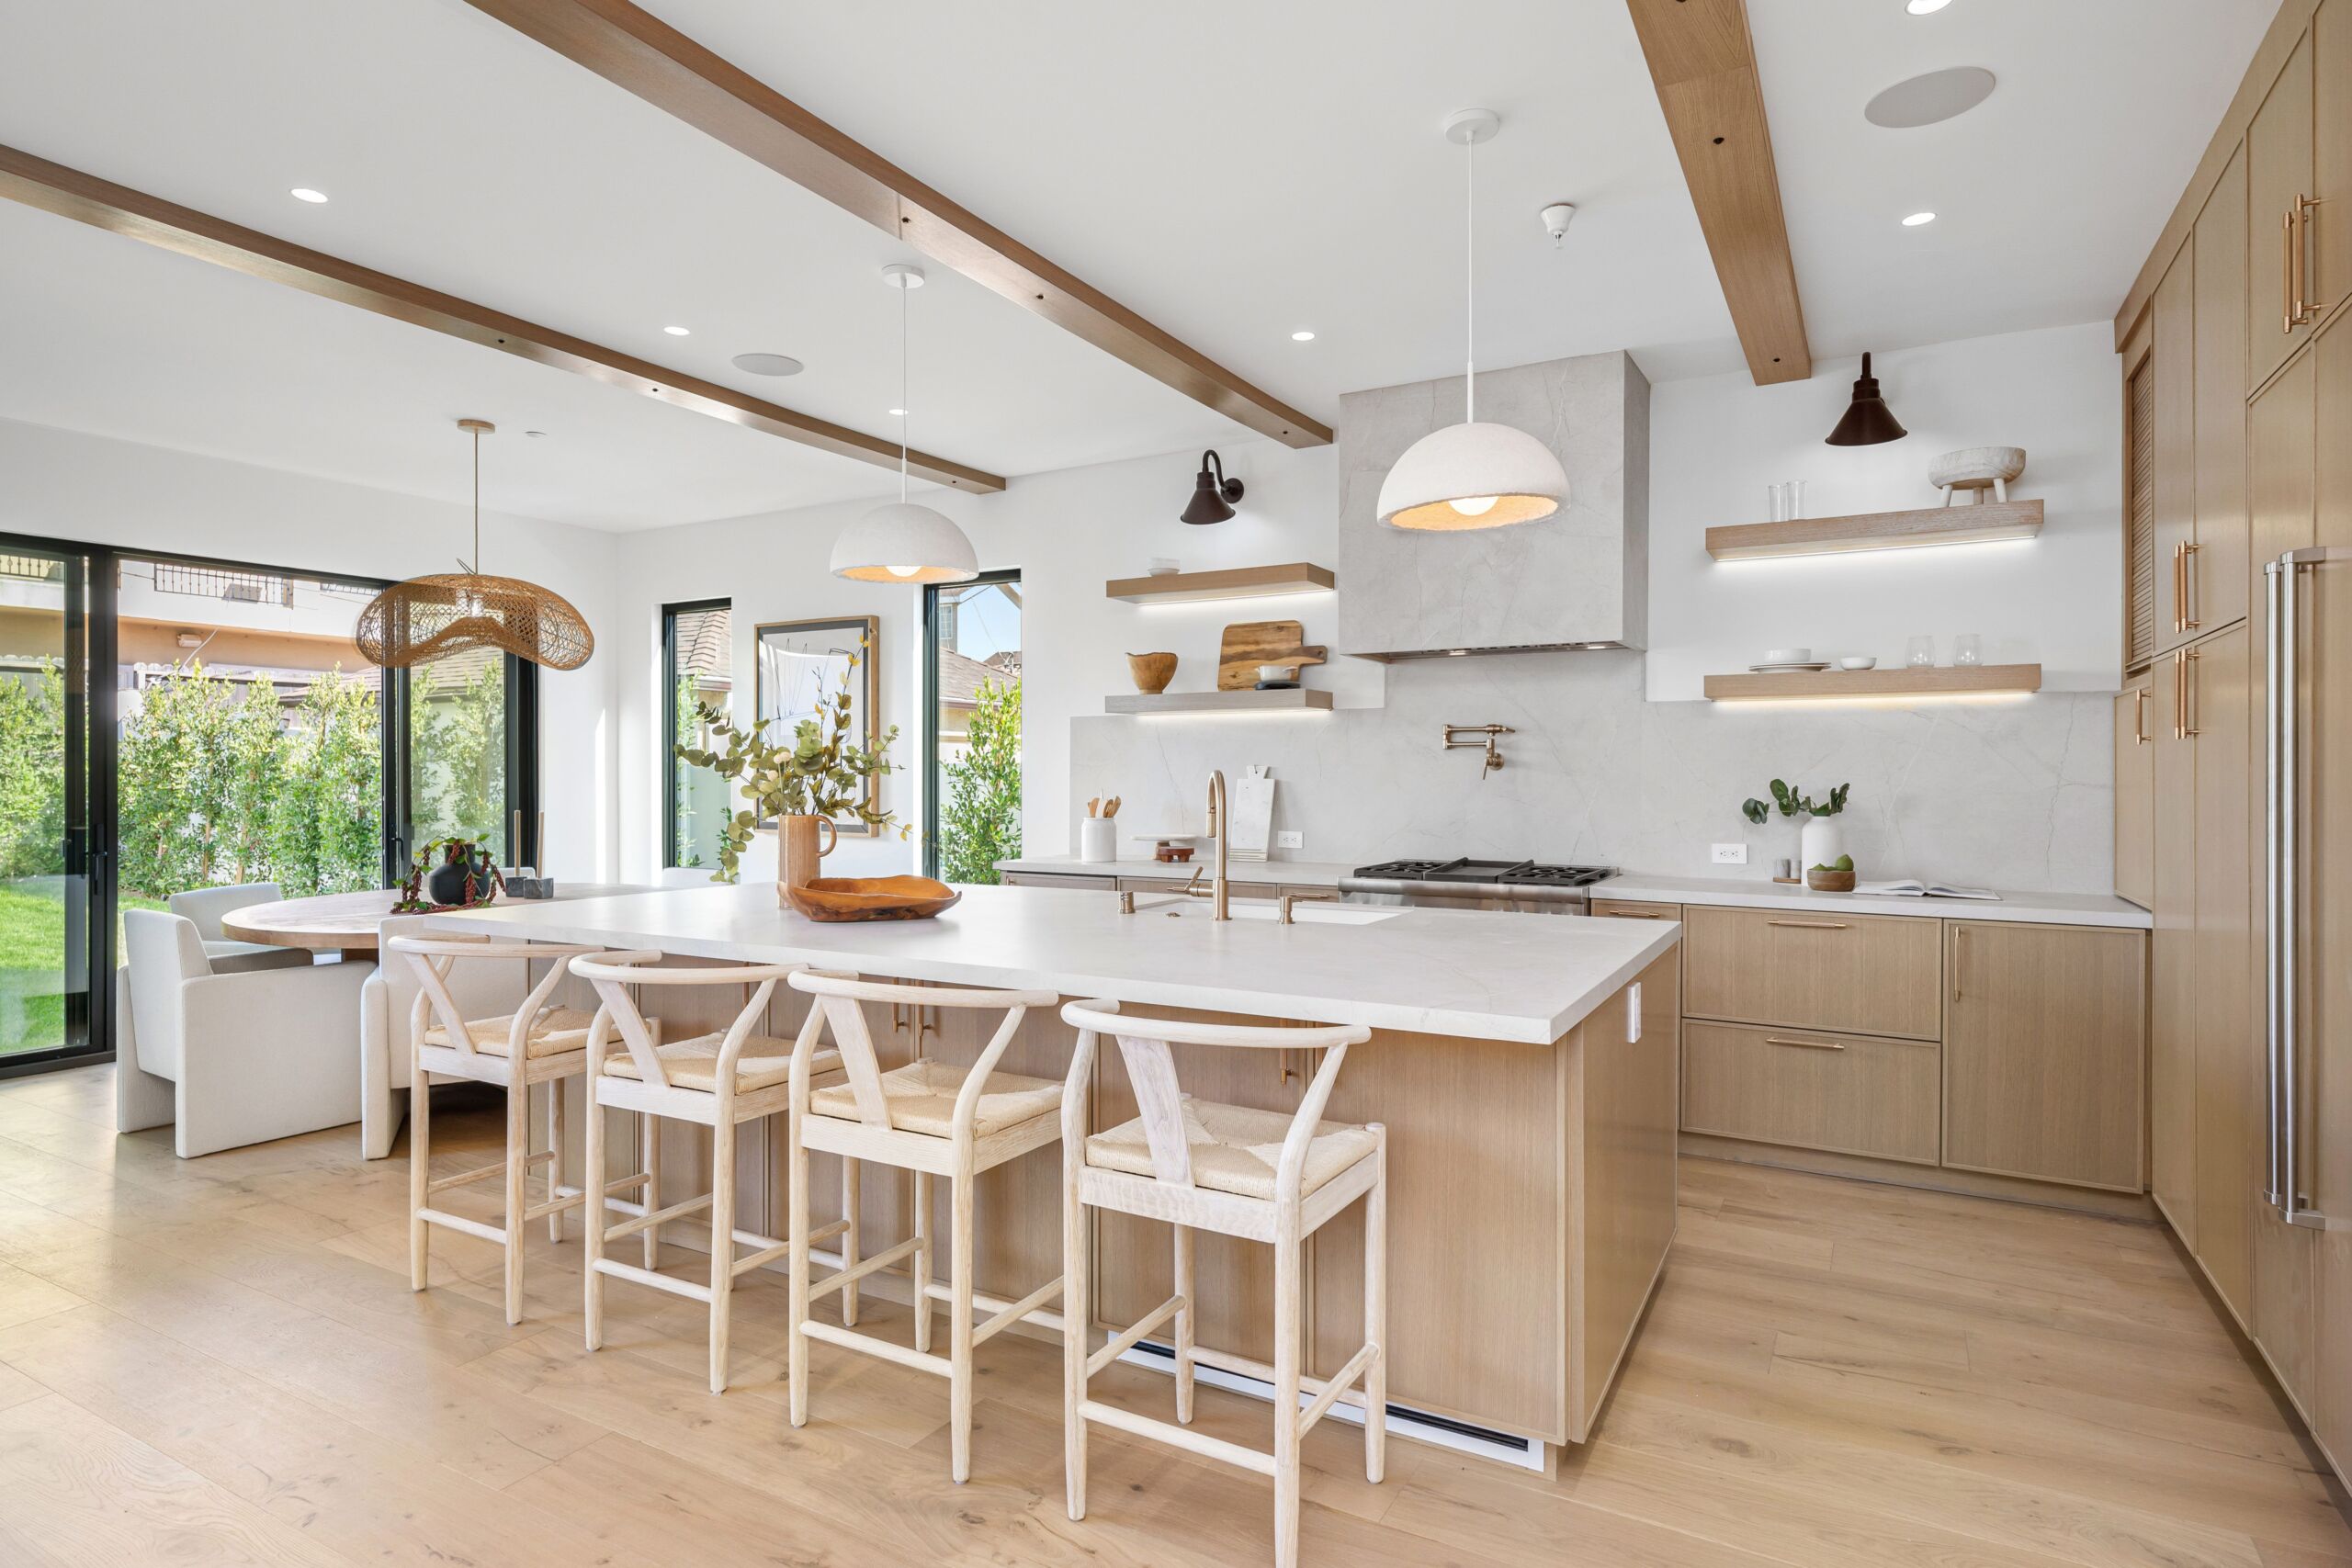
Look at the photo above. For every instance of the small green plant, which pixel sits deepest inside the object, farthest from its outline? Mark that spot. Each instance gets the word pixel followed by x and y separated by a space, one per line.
pixel 1844 863
pixel 819 773
pixel 1792 804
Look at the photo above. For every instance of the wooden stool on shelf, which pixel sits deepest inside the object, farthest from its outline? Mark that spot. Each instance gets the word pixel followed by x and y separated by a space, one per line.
pixel 719 1080
pixel 931 1120
pixel 550 1043
pixel 1255 1174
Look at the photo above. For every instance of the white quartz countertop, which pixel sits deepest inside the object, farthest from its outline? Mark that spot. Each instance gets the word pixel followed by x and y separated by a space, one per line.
pixel 1302 872
pixel 1487 976
pixel 1753 893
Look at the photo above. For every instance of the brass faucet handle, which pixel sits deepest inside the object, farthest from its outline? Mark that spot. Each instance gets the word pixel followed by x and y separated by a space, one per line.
pixel 1285 901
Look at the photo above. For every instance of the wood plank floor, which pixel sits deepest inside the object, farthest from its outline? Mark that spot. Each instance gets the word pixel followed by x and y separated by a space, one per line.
pixel 218 1362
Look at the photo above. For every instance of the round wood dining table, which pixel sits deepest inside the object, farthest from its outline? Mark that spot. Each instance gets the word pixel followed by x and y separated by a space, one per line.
pixel 332 922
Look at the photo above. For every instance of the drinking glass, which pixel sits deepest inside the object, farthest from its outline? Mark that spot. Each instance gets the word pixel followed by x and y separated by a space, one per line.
pixel 1921 653
pixel 1967 650
pixel 1776 502
pixel 1795 503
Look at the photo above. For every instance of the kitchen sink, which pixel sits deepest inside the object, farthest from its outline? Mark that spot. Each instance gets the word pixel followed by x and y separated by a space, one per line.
pixel 1318 914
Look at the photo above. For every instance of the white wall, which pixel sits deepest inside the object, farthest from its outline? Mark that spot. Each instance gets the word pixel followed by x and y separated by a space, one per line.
pixel 1069 532
pixel 67 485
pixel 1717 441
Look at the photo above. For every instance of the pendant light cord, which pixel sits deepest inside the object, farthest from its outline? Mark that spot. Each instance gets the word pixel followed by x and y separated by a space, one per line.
pixel 905 409
pixel 477 561
pixel 1470 281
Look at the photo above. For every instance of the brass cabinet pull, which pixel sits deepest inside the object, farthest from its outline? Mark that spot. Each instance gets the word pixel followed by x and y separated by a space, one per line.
pixel 2189 656
pixel 2286 273
pixel 2187 602
pixel 1810 925
pixel 1631 915
pixel 2300 216
pixel 1959 959
pixel 1808 1045
pixel 2179 710
pixel 2140 715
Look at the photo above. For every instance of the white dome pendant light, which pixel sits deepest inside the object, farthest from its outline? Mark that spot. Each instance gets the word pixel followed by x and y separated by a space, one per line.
pixel 902 541
pixel 1472 475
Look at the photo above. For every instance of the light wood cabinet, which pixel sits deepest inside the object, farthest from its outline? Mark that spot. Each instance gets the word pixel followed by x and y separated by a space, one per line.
pixel 2216 568
pixel 2172 1023
pixel 1669 997
pixel 2278 188
pixel 2228 1065
pixel 2331 43
pixel 2136 795
pixel 1848 974
pixel 2174 517
pixel 1813 1089
pixel 2041 1051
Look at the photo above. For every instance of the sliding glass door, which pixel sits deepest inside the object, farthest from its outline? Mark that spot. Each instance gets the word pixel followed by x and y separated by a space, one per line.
pixel 55 927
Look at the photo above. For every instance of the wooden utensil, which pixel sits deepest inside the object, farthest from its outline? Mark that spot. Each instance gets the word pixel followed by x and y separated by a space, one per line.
pixel 1248 644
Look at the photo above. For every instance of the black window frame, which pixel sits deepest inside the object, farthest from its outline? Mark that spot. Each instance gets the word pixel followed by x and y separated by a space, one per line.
pixel 670 764
pixel 931 703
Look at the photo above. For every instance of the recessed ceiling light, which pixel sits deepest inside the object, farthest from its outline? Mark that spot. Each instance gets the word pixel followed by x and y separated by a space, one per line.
pixel 1926 8
pixel 1302 338
pixel 677 332
pixel 1919 217
pixel 1925 100
pixel 898 414
pixel 304 193
pixel 767 364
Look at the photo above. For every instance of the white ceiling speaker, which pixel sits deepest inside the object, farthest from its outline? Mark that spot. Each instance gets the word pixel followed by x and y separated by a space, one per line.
pixel 767 365
pixel 903 541
pixel 1472 475
pixel 1927 100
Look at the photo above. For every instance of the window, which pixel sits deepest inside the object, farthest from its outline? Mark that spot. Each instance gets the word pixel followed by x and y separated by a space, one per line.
pixel 971 733
pixel 697 667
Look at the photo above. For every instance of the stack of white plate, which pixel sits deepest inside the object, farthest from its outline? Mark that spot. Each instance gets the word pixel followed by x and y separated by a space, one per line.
pixel 1781 660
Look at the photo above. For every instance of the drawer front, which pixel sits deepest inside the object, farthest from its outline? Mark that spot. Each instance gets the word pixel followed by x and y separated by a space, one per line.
pixel 1844 1093
pixel 1851 974
pixel 1631 909
pixel 1063 880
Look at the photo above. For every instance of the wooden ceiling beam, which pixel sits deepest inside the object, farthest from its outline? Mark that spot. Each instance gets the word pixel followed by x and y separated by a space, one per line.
pixel 53 187
pixel 1703 63
pixel 638 52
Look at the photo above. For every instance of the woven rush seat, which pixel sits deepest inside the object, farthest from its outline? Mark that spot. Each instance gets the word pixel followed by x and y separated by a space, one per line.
pixel 922 1097
pixel 1234 1148
pixel 557 1031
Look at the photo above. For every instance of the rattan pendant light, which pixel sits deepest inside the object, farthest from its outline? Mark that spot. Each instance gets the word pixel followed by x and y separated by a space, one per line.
pixel 427 618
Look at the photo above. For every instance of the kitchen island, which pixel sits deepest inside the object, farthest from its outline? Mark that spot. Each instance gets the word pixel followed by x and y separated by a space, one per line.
pixel 1529 1094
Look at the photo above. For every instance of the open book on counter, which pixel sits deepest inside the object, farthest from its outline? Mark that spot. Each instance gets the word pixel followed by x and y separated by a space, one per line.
pixel 1911 889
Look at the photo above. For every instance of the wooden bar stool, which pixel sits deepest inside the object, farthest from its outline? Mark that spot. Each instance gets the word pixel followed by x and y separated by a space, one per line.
pixel 1255 1174
pixel 551 1044
pixel 931 1120
pixel 719 1080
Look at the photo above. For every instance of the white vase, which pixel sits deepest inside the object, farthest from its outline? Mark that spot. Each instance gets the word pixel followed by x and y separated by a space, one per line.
pixel 1820 843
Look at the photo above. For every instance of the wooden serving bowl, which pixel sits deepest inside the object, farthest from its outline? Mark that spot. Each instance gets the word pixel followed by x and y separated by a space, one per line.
pixel 1821 879
pixel 872 897
pixel 1151 671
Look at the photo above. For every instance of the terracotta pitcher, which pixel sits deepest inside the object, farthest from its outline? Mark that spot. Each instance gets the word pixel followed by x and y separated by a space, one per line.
pixel 801 842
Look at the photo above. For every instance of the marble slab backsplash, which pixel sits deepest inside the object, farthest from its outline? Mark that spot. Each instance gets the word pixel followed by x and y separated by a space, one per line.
pixel 2014 793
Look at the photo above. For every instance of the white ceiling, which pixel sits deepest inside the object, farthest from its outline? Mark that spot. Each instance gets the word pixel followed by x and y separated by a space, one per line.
pixel 1234 171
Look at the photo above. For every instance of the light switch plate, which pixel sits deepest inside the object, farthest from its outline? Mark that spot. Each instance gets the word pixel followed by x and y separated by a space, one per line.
pixel 1290 841
pixel 1731 854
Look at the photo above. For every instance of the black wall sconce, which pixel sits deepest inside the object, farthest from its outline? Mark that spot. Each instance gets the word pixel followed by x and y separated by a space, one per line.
pixel 1868 420
pixel 1212 499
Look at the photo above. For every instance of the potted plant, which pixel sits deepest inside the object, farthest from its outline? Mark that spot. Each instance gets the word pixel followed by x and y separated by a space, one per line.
pixel 1821 842
pixel 463 878
pixel 806 783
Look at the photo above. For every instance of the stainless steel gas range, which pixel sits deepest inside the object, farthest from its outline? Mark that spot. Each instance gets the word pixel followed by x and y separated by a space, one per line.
pixel 1476 885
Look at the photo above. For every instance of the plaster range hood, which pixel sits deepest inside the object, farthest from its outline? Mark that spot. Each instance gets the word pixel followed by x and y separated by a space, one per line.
pixel 1577 579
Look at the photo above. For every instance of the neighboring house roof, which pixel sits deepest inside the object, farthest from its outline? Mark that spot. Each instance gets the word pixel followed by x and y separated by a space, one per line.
pixel 710 648
pixel 961 676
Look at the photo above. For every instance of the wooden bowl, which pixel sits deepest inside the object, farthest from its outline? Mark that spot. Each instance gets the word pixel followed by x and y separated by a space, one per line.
pixel 1823 880
pixel 872 897
pixel 1152 672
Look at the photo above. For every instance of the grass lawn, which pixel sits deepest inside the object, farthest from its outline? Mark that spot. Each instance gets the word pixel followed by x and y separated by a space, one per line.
pixel 32 972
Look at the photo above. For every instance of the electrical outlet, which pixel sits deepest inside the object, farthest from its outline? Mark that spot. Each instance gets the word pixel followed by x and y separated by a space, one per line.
pixel 1290 841
pixel 1731 854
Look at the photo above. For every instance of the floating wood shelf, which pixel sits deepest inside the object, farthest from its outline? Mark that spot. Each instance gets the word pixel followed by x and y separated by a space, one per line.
pixel 1239 582
pixel 1877 531
pixel 1298 699
pixel 1899 682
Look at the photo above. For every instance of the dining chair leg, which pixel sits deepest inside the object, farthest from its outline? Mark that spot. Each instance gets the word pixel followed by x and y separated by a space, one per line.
pixel 796 1304
pixel 923 1260
pixel 1183 1281
pixel 591 1231
pixel 850 1205
pixel 722 1241
pixel 649 1158
pixel 1287 1347
pixel 420 1174
pixel 518 1163
pixel 555 1161
pixel 959 1328
pixel 1076 1311
pixel 1375 1312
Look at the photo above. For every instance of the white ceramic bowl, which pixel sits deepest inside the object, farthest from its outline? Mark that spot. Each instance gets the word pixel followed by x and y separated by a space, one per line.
pixel 1788 656
pixel 1274 671
pixel 1859 662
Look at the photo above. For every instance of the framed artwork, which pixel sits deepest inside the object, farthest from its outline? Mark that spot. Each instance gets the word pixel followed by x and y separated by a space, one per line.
pixel 796 668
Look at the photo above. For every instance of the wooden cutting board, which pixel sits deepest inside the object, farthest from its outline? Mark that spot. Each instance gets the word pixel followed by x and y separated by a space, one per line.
pixel 1249 644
